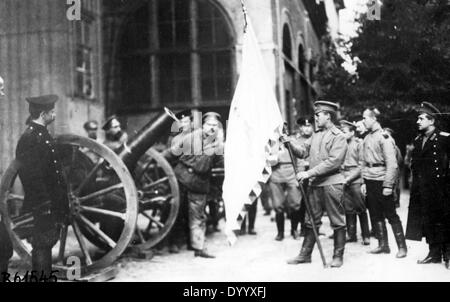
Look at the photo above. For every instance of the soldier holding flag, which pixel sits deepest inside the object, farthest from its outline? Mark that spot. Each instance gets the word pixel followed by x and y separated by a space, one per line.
pixel 326 153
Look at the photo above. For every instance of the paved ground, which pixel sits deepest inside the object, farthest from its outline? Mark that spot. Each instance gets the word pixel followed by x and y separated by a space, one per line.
pixel 261 258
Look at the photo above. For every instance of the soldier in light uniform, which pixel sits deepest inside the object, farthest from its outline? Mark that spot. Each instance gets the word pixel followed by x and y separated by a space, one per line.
pixel 44 185
pixel 306 125
pixel 429 205
pixel 286 196
pixel 326 153
pixel 379 170
pixel 353 199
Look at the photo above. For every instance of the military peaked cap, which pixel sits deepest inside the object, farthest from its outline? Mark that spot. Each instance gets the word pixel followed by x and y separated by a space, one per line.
pixel 108 121
pixel 345 123
pixel 211 115
pixel 185 113
pixel 325 106
pixel 304 121
pixel 429 109
pixel 44 102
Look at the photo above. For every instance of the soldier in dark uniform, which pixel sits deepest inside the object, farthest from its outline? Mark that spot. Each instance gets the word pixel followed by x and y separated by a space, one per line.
pixel 326 154
pixel 6 250
pixel 429 204
pixel 115 137
pixel 43 182
pixel 379 170
pixel 201 150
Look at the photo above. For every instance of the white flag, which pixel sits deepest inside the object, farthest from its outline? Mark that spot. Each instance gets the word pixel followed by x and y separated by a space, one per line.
pixel 254 121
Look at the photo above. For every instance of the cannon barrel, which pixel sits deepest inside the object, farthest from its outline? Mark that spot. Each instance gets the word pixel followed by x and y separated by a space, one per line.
pixel 144 139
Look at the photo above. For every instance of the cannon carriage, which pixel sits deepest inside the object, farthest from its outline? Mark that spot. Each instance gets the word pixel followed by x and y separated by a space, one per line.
pixel 116 200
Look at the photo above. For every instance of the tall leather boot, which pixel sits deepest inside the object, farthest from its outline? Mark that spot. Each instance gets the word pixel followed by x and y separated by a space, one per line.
pixel 307 247
pixel 42 262
pixel 364 223
pixel 294 224
pixel 434 254
pixel 3 270
pixel 447 255
pixel 351 228
pixel 381 234
pixel 400 239
pixel 339 246
pixel 279 218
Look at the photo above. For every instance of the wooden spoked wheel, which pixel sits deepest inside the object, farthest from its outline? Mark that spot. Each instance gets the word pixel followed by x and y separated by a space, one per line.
pixel 101 192
pixel 159 199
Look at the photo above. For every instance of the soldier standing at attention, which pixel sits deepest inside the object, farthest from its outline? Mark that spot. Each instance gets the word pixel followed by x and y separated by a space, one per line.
pixel 6 249
pixel 326 155
pixel 286 196
pixel 42 178
pixel 429 204
pixel 353 198
pixel 379 170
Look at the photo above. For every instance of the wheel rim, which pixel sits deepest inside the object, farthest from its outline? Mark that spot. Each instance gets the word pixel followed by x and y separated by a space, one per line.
pixel 159 199
pixel 75 243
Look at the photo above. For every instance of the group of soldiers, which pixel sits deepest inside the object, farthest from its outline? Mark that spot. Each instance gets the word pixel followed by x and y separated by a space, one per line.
pixel 347 173
pixel 343 171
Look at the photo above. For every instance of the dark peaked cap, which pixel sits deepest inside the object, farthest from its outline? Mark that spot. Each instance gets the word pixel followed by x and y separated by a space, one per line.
pixel 325 106
pixel 303 121
pixel 429 109
pixel 183 114
pixel 106 125
pixel 345 123
pixel 43 102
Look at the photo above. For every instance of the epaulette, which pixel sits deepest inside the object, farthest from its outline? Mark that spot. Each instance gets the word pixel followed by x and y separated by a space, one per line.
pixel 335 131
pixel 442 133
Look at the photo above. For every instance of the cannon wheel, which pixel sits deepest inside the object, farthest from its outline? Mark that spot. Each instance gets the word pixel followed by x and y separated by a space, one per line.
pixel 83 197
pixel 159 199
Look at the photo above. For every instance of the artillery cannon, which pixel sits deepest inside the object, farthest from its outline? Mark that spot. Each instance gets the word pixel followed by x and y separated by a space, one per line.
pixel 116 200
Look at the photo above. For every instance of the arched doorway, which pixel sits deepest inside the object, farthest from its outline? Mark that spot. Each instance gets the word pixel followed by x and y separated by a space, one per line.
pixel 303 106
pixel 174 53
pixel 289 77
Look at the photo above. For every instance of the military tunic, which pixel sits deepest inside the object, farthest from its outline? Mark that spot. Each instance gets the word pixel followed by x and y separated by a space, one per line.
pixel 197 154
pixel 44 185
pixel 379 170
pixel 351 169
pixel 326 154
pixel 282 181
pixel 429 205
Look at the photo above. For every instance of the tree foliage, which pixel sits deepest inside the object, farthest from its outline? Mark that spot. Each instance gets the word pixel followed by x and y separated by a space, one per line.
pixel 402 60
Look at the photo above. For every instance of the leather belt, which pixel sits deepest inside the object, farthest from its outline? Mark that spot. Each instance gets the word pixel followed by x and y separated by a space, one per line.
pixel 348 168
pixel 374 165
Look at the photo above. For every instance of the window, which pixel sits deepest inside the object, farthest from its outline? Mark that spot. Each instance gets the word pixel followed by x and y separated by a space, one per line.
pixel 83 68
pixel 175 52
pixel 86 35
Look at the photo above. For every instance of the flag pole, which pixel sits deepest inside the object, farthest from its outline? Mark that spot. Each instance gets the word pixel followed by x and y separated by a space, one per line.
pixel 307 204
pixel 244 10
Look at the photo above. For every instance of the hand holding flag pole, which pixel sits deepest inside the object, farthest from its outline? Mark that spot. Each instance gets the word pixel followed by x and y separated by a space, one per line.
pixel 306 200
